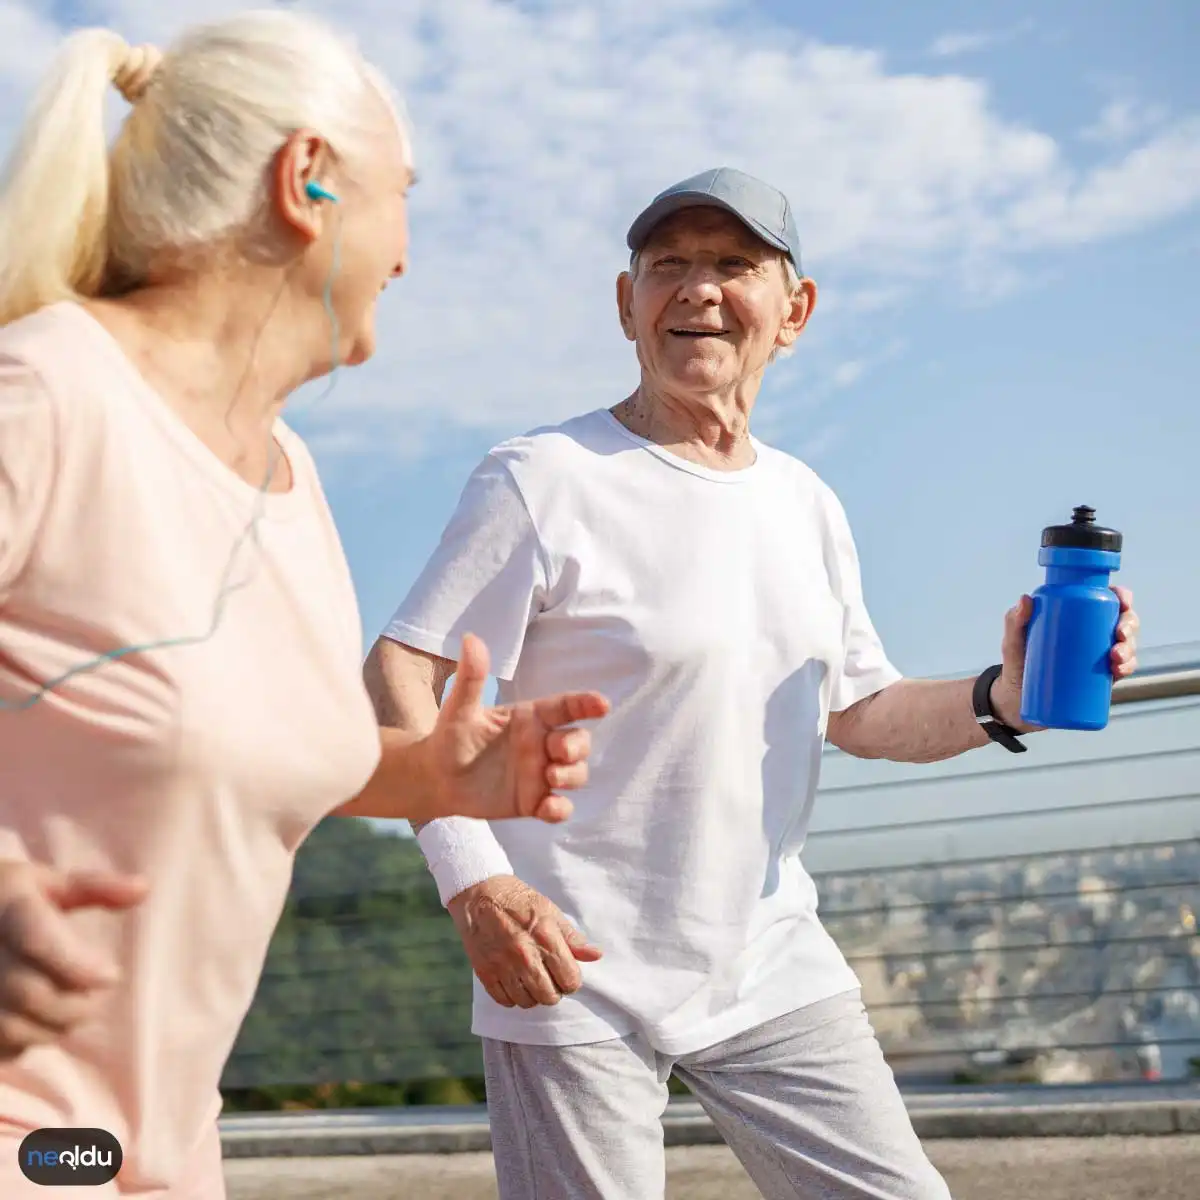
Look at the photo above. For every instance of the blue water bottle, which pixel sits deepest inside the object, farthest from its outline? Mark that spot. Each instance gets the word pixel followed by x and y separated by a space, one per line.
pixel 1068 655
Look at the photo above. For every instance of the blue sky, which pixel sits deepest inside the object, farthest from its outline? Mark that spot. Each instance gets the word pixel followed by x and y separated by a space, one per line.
pixel 1001 208
pixel 956 418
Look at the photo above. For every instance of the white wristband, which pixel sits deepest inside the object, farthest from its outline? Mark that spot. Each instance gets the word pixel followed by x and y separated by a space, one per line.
pixel 461 852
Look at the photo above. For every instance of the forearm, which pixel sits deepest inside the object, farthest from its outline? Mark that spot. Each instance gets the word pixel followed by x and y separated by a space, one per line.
pixel 405 690
pixel 404 785
pixel 913 720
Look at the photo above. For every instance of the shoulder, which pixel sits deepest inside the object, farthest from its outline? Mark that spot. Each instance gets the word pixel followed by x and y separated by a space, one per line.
pixel 39 347
pixel 546 465
pixel 809 488
pixel 549 449
pixel 34 395
pixel 57 357
pixel 52 340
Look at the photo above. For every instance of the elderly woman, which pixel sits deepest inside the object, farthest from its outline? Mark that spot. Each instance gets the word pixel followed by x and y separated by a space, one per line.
pixel 181 696
pixel 710 585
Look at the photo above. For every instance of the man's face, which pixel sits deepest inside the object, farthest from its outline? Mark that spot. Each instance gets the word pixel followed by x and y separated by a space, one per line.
pixel 709 303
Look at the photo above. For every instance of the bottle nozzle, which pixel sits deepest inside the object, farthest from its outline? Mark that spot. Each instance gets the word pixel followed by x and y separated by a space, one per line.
pixel 1082 533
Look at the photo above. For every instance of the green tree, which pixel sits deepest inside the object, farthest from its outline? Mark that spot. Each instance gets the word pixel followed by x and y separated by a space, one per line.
pixel 366 993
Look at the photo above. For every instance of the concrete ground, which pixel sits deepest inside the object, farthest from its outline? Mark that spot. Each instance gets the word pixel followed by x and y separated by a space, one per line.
pixel 1090 1168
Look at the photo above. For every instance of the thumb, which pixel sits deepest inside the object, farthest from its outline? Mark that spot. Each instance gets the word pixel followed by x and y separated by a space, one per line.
pixel 1016 621
pixel 581 948
pixel 95 889
pixel 469 677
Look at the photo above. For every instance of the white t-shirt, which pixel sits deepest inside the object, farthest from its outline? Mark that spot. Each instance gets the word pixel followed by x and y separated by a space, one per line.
pixel 722 614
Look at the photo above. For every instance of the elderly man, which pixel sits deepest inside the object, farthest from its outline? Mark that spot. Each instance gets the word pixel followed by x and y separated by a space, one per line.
pixel 709 585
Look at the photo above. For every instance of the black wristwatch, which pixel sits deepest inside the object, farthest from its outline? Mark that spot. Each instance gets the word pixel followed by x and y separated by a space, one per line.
pixel 981 701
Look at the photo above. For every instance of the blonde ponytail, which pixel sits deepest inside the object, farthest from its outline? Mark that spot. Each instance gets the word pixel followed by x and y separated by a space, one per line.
pixel 54 204
pixel 189 169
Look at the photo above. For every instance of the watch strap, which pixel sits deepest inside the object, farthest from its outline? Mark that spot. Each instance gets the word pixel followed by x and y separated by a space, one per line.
pixel 981 702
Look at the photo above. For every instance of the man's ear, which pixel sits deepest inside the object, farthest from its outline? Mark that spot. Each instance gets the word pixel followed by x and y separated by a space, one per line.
pixel 803 303
pixel 625 303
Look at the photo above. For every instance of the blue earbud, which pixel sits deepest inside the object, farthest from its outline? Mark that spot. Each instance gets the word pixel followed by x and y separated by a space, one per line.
pixel 317 192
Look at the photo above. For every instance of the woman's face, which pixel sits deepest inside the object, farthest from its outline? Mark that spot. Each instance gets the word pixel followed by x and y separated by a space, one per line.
pixel 371 244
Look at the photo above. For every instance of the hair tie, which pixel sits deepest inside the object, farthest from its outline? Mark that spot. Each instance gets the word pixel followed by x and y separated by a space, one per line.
pixel 136 70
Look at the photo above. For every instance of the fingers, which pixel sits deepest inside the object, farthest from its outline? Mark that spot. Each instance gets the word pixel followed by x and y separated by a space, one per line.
pixel 568 770
pixel 568 750
pixel 49 979
pixel 470 676
pixel 18 1034
pixel 1012 648
pixel 1020 612
pixel 568 707
pixel 553 809
pixel 1128 627
pixel 574 776
pixel 29 994
pixel 581 949
pixel 33 929
pixel 556 954
pixel 528 981
pixel 524 997
pixel 522 948
pixel 96 889
pixel 1124 652
pixel 1125 596
pixel 498 992
pixel 1124 659
pixel 568 746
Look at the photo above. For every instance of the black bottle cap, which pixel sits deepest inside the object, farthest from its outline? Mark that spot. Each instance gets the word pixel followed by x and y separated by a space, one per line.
pixel 1083 533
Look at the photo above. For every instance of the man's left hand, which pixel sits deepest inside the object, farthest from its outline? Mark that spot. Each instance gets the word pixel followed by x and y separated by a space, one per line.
pixel 1006 691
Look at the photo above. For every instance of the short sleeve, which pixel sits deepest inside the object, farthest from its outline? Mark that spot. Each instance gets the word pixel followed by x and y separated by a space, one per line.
pixel 27 457
pixel 865 667
pixel 486 577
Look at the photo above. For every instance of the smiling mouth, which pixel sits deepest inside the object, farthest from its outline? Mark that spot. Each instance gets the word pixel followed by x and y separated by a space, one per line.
pixel 698 333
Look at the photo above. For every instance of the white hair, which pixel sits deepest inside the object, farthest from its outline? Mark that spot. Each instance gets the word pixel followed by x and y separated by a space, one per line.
pixel 189 168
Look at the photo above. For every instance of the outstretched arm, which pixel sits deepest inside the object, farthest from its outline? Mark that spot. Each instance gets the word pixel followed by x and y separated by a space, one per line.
pixel 923 720
pixel 406 686
pixel 506 761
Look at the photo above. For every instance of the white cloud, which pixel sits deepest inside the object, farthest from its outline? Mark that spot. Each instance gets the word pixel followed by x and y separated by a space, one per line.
pixel 543 127
pixel 952 45
pixel 1158 179
pixel 1123 120
pixel 848 373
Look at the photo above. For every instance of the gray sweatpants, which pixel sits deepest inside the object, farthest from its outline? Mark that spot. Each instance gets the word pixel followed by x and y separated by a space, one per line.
pixel 807 1102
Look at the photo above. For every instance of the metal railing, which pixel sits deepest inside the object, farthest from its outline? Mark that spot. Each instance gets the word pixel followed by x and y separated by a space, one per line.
pixel 1071 954
pixel 1157 685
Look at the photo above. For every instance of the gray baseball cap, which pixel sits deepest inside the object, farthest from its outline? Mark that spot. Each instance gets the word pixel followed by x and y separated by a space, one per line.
pixel 763 210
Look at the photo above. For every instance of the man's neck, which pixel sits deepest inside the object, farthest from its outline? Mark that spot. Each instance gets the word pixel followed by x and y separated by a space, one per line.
pixel 711 431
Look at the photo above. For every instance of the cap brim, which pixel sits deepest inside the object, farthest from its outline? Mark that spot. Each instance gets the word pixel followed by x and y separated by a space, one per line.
pixel 659 210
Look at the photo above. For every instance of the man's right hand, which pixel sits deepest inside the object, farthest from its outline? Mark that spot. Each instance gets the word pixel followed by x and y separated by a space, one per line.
pixel 524 951
pixel 50 979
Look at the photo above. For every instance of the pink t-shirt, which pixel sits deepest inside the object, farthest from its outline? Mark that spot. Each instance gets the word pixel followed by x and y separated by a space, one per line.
pixel 202 766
